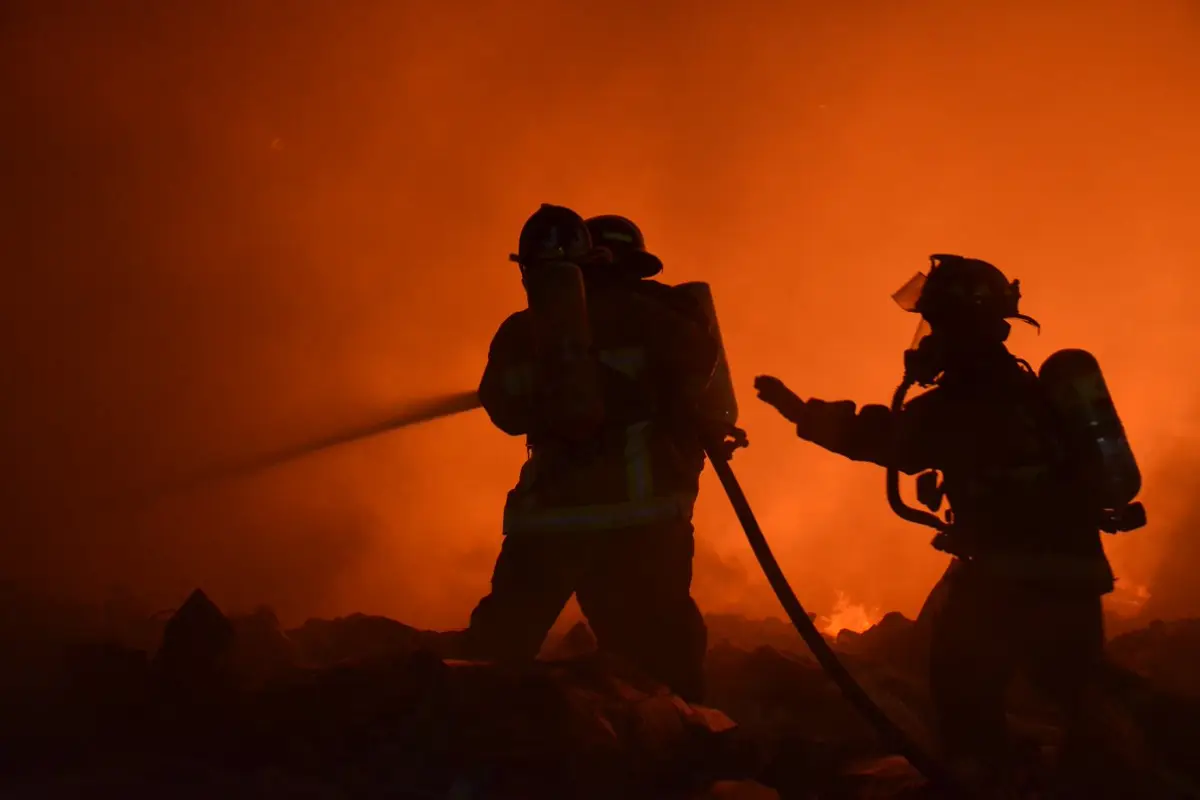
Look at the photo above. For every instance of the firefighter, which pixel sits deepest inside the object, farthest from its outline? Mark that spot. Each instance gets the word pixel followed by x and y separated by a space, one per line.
pixel 623 239
pixel 603 506
pixel 1024 588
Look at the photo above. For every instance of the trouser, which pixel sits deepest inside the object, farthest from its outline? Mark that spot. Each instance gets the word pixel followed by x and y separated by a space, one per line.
pixel 986 629
pixel 633 585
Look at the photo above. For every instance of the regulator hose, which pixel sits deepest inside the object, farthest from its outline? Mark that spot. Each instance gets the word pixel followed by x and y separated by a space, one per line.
pixel 905 512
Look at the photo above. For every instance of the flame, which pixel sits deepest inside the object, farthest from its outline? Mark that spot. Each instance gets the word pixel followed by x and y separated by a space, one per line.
pixel 1127 599
pixel 848 616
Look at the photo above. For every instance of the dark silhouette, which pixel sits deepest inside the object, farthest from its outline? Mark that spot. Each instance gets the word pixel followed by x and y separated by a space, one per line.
pixel 603 508
pixel 1025 587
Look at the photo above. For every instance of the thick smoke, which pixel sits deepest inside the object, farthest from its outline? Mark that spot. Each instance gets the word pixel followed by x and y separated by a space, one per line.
pixel 232 225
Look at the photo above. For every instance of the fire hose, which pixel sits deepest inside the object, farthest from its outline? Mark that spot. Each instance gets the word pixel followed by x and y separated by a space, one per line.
pixel 887 730
pixel 451 405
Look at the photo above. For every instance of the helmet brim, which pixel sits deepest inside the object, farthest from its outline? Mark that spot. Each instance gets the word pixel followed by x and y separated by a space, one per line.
pixel 643 264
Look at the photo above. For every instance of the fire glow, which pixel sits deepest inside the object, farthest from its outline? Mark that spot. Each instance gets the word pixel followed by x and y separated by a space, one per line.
pixel 1127 600
pixel 848 616
pixel 301 243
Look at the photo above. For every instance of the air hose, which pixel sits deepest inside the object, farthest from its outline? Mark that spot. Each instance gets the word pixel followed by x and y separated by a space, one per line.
pixel 905 512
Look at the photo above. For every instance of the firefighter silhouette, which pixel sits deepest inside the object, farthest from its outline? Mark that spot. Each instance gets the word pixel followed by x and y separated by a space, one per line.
pixel 604 375
pixel 1034 467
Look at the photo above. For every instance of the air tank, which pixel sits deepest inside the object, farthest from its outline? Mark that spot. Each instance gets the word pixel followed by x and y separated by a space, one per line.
pixel 558 303
pixel 1077 389
pixel 719 401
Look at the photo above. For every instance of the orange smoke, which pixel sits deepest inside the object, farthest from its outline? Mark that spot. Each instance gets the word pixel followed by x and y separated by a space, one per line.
pixel 231 229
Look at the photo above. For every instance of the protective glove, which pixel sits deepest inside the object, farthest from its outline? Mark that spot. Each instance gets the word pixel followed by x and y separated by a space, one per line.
pixel 773 392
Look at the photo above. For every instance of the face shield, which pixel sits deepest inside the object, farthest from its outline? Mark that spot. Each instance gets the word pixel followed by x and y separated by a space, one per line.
pixel 906 297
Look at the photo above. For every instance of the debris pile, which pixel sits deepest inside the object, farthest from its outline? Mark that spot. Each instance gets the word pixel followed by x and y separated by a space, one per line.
pixel 363 707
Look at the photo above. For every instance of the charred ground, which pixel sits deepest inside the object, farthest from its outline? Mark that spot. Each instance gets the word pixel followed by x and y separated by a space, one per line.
pixel 193 703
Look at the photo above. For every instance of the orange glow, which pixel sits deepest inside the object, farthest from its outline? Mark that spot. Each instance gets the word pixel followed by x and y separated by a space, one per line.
pixel 1127 601
pixel 230 230
pixel 848 616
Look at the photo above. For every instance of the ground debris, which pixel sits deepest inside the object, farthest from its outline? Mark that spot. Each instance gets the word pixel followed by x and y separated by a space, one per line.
pixel 364 707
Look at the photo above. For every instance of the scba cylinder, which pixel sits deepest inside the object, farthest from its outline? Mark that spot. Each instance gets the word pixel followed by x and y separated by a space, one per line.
pixel 719 401
pixel 1078 391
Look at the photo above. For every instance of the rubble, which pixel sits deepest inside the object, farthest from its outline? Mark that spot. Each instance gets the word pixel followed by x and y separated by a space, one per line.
pixel 365 706
pixel 1165 652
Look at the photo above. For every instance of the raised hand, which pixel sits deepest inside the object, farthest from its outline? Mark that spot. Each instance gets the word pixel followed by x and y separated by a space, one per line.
pixel 773 392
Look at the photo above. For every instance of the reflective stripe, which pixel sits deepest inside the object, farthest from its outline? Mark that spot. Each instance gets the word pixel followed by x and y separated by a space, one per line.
pixel 639 476
pixel 629 361
pixel 613 516
pixel 639 506
pixel 518 380
pixel 615 236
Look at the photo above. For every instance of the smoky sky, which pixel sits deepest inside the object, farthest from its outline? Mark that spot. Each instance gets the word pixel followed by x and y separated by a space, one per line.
pixel 228 225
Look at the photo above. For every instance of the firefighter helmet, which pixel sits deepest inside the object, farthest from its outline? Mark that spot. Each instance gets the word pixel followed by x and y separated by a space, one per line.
pixel 962 291
pixel 625 241
pixel 553 233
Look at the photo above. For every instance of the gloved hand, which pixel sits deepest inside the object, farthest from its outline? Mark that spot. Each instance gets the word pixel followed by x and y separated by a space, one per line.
pixel 773 392
pixel 723 439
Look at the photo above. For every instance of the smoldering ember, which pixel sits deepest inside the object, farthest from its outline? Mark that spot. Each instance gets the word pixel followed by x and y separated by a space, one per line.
pixel 194 703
